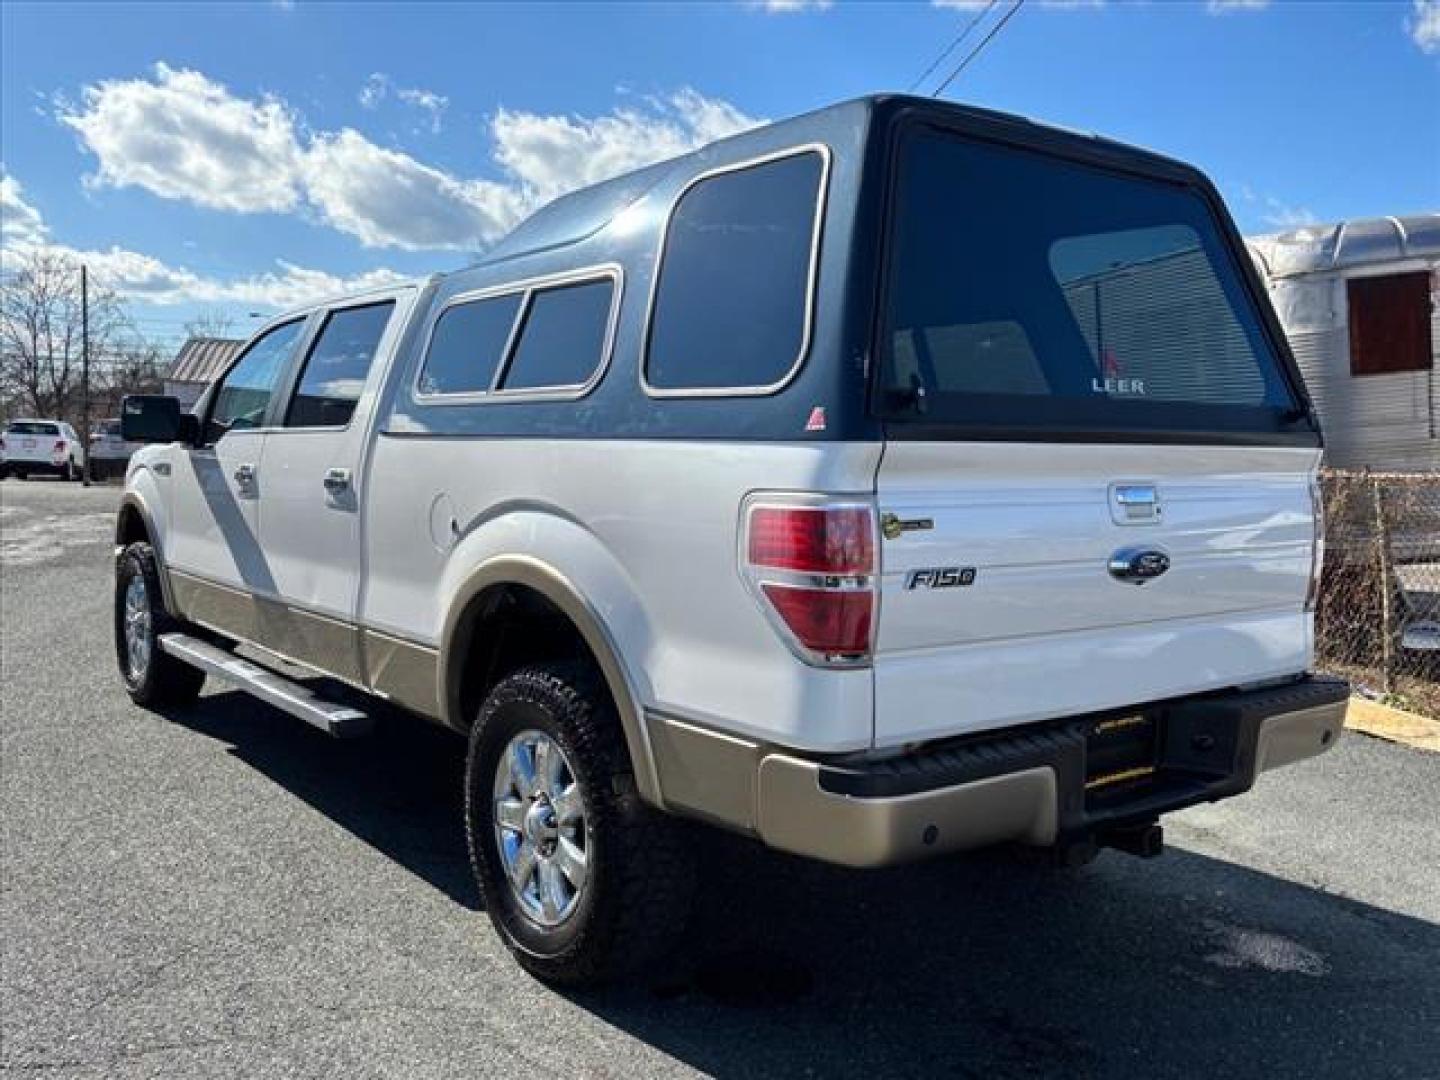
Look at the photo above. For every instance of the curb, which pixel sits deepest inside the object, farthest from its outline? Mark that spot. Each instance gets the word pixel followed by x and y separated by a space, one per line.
pixel 1393 725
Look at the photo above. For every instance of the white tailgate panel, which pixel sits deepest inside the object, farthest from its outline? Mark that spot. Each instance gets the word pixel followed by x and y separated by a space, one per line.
pixel 1045 631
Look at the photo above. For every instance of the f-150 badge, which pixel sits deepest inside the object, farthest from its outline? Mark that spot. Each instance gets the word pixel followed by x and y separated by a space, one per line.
pixel 941 577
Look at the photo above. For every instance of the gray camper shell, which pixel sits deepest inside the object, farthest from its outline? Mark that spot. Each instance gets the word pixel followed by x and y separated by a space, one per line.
pixel 836 179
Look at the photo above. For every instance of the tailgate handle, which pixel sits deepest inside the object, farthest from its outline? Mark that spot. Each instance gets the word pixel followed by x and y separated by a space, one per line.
pixel 1134 503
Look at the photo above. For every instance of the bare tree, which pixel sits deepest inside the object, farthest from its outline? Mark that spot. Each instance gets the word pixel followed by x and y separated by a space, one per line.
pixel 40 339
pixel 210 324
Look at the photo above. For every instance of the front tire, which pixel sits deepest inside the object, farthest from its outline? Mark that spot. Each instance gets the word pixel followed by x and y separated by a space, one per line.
pixel 581 880
pixel 152 678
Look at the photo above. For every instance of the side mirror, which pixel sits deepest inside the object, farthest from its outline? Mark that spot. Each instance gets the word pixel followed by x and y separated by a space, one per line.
pixel 156 418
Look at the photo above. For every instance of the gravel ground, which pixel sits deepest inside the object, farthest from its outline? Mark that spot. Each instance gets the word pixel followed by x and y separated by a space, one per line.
pixel 228 893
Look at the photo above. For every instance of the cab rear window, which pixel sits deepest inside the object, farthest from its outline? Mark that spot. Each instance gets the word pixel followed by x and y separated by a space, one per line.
pixel 1031 291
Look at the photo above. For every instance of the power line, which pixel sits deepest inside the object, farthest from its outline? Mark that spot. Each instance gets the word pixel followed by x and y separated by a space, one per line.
pixel 974 22
pixel 979 48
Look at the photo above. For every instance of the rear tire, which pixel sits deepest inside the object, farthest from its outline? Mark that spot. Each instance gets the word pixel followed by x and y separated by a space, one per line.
pixel 69 474
pixel 153 678
pixel 613 892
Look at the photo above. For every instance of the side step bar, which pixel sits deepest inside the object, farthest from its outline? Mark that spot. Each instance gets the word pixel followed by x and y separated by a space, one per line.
pixel 341 721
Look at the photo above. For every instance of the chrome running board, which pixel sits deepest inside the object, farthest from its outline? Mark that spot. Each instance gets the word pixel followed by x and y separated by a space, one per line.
pixel 341 721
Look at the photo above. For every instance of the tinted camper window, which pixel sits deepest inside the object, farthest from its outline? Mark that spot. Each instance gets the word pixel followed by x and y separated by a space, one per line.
pixel 1026 290
pixel 732 302
pixel 467 345
pixel 563 337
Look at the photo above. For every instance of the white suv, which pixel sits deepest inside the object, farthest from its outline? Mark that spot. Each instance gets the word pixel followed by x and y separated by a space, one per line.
pixel 887 482
pixel 49 447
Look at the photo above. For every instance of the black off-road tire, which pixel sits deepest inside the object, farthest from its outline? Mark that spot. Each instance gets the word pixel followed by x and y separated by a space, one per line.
pixel 163 681
pixel 638 895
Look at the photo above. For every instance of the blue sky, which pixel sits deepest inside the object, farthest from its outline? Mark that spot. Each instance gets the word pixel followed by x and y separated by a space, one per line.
pixel 238 157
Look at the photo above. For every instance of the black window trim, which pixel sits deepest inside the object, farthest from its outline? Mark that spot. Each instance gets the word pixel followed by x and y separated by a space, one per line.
pixel 526 288
pixel 295 369
pixel 822 192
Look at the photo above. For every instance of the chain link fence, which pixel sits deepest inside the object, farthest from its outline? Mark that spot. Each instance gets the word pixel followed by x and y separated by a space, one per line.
pixel 1378 621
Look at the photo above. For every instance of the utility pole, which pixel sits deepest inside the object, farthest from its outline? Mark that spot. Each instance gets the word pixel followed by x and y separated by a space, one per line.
pixel 85 370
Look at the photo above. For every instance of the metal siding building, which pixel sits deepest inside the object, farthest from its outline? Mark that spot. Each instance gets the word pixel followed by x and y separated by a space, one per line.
pixel 1386 421
pixel 200 361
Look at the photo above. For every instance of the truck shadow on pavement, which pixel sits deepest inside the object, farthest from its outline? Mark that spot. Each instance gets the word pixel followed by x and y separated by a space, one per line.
pixel 988 966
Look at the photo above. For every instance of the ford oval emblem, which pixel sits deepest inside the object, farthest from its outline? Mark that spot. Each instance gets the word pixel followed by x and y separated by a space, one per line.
pixel 1138 565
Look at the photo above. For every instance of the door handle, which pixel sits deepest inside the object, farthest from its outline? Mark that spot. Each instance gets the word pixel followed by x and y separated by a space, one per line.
pixel 337 480
pixel 244 475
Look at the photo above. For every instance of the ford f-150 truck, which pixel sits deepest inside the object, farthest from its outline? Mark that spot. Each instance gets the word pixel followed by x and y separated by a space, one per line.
pixel 882 483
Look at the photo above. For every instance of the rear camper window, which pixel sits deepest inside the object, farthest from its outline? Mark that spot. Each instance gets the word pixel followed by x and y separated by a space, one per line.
pixel 1028 291
pixel 731 309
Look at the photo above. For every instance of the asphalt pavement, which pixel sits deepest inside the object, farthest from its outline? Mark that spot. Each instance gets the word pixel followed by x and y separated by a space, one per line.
pixel 227 892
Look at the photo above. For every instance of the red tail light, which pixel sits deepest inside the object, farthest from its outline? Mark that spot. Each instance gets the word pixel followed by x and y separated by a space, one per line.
pixel 59 446
pixel 812 566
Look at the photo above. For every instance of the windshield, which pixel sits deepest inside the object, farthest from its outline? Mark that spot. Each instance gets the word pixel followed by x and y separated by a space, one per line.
pixel 31 427
pixel 1028 290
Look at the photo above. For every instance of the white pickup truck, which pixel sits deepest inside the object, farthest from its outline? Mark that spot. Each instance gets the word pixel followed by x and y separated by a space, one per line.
pixel 41 447
pixel 886 482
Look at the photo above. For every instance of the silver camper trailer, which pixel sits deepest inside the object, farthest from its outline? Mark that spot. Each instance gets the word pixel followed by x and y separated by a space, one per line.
pixel 1358 301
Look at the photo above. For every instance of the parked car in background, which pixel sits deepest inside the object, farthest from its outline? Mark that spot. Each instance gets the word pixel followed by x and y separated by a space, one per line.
pixel 884 483
pixel 109 450
pixel 41 446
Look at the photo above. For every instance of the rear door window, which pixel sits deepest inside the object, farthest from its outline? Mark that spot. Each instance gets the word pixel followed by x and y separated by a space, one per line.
pixel 1029 291
pixel 338 364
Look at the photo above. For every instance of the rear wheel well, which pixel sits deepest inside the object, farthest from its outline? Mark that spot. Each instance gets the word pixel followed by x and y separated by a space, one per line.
pixel 506 627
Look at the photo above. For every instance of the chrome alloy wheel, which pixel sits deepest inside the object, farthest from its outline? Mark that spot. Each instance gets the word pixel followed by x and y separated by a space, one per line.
pixel 540 827
pixel 137 627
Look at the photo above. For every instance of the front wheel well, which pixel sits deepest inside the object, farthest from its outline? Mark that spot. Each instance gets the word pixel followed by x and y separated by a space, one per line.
pixel 504 628
pixel 130 527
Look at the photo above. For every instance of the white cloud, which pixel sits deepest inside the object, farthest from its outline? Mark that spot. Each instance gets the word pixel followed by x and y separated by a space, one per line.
pixel 427 101
pixel 184 136
pixel 790 7
pixel 550 155
pixel 144 279
pixel 20 223
pixel 385 198
pixel 1224 7
pixel 1424 25
pixel 374 90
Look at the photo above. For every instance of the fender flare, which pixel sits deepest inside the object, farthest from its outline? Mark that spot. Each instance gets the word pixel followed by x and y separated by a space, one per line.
pixel 560 591
pixel 132 501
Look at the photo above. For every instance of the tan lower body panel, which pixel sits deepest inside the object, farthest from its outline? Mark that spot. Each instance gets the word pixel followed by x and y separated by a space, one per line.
pixel 795 814
pixel 403 671
pixel 777 797
pixel 306 637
